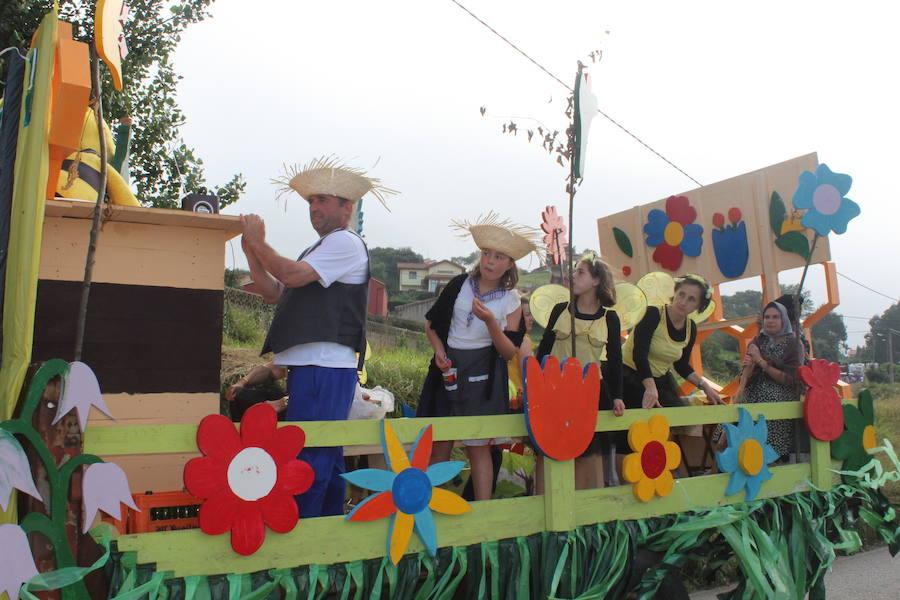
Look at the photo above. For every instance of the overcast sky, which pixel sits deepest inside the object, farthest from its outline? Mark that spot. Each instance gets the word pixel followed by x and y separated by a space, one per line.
pixel 719 88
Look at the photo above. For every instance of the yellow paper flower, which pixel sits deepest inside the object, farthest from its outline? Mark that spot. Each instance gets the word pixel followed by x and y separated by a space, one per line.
pixel 650 466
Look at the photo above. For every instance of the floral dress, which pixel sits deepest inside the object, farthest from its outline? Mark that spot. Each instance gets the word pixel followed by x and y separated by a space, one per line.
pixel 782 355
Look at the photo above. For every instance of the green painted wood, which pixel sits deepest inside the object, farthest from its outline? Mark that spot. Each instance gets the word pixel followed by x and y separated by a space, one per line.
pixel 156 439
pixel 609 504
pixel 328 540
pixel 559 497
pixel 820 464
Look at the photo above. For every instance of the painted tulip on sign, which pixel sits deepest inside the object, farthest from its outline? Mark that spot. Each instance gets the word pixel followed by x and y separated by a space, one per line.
pixel 104 487
pixel 14 470
pixel 730 243
pixel 17 565
pixel 822 410
pixel 561 405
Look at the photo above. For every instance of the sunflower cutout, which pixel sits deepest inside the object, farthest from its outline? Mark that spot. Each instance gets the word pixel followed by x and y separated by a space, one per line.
pixel 650 466
pixel 858 437
pixel 747 456
pixel 407 492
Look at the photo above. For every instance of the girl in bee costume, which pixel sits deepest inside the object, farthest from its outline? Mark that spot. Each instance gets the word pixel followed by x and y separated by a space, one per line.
pixel 597 339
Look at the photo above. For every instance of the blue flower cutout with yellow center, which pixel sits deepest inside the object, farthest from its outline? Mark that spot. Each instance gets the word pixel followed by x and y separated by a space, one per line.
pixel 747 455
pixel 823 195
pixel 407 492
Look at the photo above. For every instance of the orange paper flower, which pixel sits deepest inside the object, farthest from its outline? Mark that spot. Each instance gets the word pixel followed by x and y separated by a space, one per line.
pixel 650 466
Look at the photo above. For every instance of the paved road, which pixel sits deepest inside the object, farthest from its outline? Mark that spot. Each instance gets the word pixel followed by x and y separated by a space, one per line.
pixel 870 575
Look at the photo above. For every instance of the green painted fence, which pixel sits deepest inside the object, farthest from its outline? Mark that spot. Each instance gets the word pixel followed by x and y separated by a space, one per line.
pixel 330 540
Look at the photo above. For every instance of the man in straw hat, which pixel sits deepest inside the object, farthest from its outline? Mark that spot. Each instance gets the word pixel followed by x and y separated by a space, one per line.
pixel 319 325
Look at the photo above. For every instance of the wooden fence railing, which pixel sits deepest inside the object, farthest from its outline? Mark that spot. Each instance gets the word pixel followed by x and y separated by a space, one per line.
pixel 329 540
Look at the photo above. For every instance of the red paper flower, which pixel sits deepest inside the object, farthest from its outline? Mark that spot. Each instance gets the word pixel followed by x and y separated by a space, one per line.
pixel 248 480
pixel 822 410
pixel 561 405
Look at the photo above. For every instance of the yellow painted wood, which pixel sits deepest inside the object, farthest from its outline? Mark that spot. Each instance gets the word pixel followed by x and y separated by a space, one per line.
pixel 328 540
pixel 559 497
pixel 153 472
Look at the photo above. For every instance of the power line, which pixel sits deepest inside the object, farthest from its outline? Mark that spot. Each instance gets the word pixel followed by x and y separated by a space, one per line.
pixel 891 298
pixel 568 87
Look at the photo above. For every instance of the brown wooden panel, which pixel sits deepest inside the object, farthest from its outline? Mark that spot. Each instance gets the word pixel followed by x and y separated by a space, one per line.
pixel 155 409
pixel 134 253
pixel 156 472
pixel 138 339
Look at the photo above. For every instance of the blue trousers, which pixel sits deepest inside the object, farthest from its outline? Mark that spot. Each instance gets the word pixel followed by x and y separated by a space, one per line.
pixel 321 394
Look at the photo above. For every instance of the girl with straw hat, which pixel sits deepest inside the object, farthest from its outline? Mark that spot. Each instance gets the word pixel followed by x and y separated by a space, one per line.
pixel 474 327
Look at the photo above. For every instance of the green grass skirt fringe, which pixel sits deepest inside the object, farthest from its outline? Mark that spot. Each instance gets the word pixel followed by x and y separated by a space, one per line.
pixel 784 546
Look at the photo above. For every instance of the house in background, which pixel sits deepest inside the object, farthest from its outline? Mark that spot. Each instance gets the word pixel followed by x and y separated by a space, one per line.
pixel 428 276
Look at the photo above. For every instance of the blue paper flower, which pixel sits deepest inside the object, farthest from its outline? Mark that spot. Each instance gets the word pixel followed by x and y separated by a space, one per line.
pixel 823 195
pixel 747 455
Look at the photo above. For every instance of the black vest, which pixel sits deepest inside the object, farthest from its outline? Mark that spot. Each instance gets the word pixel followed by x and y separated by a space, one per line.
pixel 313 313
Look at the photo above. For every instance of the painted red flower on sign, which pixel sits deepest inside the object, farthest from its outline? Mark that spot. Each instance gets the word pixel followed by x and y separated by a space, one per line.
pixel 561 405
pixel 555 238
pixel 248 479
pixel 822 409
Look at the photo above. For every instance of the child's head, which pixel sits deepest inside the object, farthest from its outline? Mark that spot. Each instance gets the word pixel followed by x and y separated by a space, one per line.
pixel 496 266
pixel 526 312
pixel 692 292
pixel 593 276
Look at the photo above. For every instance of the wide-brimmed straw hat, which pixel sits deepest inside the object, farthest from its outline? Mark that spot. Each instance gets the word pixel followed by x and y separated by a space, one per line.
pixel 494 233
pixel 329 176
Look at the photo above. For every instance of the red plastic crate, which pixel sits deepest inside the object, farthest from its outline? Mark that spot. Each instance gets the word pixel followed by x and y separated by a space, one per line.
pixel 163 511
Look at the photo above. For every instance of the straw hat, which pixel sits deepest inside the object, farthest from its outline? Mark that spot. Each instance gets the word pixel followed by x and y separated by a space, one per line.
pixel 492 232
pixel 328 175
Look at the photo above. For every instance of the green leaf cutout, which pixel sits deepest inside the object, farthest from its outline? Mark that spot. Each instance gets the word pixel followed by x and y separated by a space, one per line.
pixel 794 241
pixel 623 242
pixel 777 213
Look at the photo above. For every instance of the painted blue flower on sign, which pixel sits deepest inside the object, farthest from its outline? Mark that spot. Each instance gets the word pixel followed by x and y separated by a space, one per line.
pixel 747 455
pixel 823 195
pixel 673 232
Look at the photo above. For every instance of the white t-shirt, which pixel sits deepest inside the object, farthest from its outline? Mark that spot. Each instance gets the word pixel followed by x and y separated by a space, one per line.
pixel 341 257
pixel 471 335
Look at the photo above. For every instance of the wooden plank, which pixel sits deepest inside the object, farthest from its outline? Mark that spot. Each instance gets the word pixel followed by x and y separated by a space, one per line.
pixel 229 224
pixel 328 540
pixel 559 499
pixel 134 253
pixel 126 439
pixel 820 464
pixel 691 493
pixel 154 409
pixel 157 473
pixel 190 552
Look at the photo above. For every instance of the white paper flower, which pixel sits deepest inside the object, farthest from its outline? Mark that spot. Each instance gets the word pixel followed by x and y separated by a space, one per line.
pixel 81 390
pixel 14 470
pixel 104 487
pixel 17 565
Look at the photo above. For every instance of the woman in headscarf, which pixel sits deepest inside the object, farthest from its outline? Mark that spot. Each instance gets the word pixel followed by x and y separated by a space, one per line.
pixel 770 371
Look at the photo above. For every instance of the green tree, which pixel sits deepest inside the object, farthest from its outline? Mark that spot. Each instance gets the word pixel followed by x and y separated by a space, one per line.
pixel 741 304
pixel 879 329
pixel 829 337
pixel 162 166
pixel 466 261
pixel 383 265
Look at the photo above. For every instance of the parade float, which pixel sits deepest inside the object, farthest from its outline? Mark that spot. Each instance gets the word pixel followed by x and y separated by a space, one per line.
pixel 136 412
